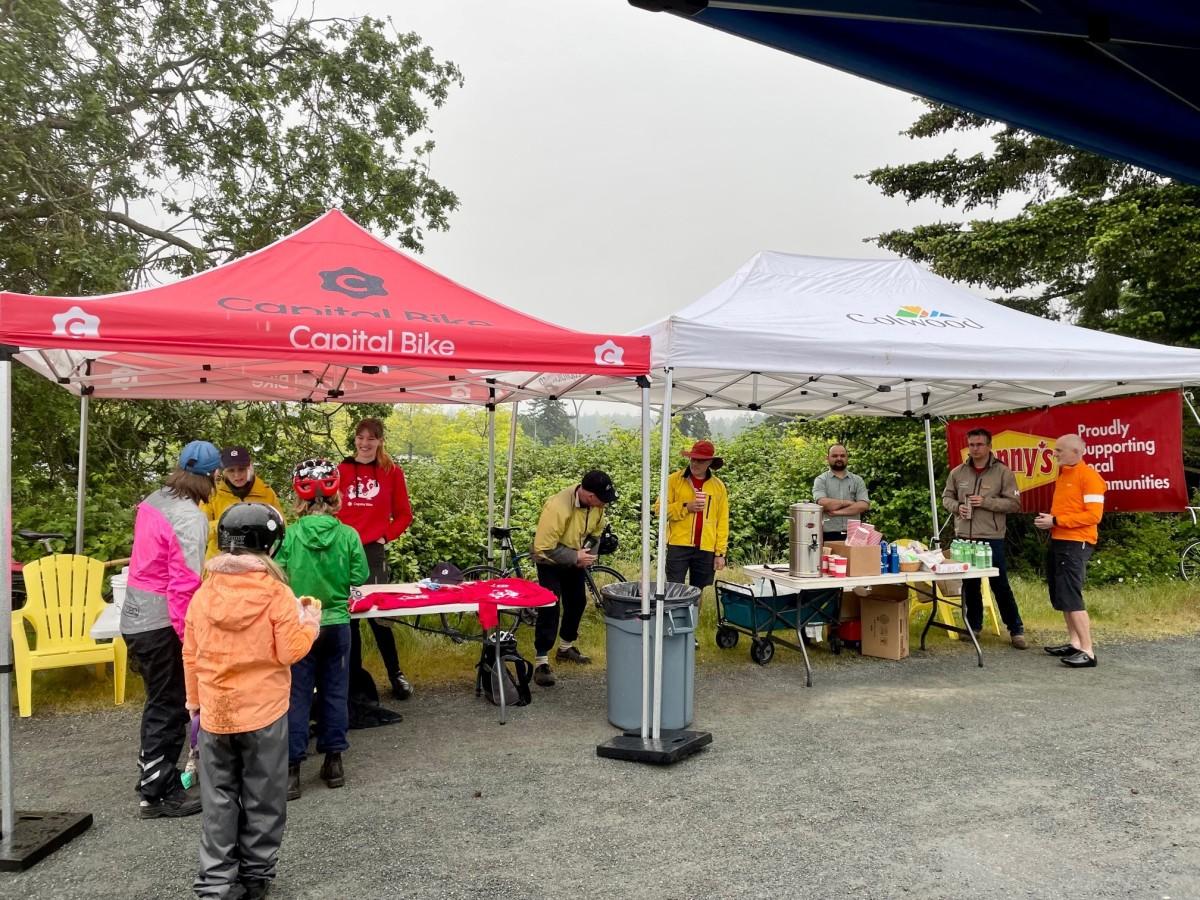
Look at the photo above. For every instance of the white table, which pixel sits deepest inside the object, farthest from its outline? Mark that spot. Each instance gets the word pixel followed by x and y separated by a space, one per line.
pixel 916 581
pixel 108 624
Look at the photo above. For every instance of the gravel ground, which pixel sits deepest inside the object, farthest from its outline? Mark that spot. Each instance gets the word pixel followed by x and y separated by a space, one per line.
pixel 925 778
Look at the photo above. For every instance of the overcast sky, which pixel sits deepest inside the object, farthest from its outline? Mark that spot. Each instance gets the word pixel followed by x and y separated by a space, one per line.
pixel 613 165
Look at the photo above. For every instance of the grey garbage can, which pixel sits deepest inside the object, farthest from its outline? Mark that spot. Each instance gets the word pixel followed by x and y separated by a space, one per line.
pixel 622 604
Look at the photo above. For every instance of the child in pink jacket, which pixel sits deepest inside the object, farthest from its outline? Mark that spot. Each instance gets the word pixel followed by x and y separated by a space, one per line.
pixel 244 630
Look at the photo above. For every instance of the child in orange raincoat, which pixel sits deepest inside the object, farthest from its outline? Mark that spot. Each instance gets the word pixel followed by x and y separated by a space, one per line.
pixel 244 629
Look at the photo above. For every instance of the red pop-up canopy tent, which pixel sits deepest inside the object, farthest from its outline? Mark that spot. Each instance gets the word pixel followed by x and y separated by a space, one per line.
pixel 329 312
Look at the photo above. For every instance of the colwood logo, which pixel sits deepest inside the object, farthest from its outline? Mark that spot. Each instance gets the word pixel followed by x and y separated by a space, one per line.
pixel 353 283
pixel 915 316
pixel 609 354
pixel 76 323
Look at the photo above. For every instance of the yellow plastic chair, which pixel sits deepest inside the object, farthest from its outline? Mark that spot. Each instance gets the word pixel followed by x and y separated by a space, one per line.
pixel 63 603
pixel 989 602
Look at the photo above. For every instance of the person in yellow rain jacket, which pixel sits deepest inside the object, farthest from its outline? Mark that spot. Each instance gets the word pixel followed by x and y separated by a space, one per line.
pixel 238 484
pixel 1075 511
pixel 568 533
pixel 697 518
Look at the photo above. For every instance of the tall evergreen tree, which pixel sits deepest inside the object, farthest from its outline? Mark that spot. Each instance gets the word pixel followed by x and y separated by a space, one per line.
pixel 1099 242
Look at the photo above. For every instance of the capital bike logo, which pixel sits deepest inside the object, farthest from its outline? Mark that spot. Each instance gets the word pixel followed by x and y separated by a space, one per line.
pixel 609 354
pixel 1030 456
pixel 353 283
pixel 916 317
pixel 76 323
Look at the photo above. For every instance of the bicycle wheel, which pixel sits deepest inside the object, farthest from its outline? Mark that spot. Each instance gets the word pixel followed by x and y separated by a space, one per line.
pixel 599 577
pixel 1189 562
pixel 464 626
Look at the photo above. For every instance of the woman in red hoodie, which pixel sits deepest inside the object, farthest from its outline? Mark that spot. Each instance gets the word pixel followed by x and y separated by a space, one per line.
pixel 375 504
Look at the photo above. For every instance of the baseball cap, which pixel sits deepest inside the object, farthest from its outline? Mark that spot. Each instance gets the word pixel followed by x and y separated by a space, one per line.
pixel 235 457
pixel 446 573
pixel 200 458
pixel 702 450
pixel 599 484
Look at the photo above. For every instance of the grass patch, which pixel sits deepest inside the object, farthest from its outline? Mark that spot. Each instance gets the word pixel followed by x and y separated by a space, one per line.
pixel 1122 612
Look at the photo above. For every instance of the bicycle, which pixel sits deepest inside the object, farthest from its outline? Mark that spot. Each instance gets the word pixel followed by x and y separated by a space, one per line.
pixel 465 626
pixel 1189 557
pixel 47 539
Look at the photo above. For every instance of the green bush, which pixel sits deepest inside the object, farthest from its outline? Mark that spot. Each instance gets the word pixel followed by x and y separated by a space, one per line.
pixel 768 468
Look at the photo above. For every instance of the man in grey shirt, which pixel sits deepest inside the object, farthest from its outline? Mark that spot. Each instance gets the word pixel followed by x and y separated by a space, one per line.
pixel 842 494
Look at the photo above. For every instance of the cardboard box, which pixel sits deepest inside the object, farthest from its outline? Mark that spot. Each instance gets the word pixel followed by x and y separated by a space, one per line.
pixel 885 626
pixel 897 593
pixel 861 560
pixel 850 609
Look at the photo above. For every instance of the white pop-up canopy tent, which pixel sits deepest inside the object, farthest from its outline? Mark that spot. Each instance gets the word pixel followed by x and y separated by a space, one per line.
pixel 815 336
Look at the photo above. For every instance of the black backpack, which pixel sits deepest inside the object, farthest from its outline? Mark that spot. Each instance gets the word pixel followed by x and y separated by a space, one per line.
pixel 512 676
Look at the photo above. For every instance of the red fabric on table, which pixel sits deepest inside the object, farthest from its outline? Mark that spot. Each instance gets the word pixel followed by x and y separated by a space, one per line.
pixel 489 595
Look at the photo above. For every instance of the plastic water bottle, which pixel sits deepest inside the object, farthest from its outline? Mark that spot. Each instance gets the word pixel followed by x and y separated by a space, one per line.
pixel 987 555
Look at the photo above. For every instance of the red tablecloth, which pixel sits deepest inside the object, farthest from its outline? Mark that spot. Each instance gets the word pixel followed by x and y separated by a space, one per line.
pixel 488 595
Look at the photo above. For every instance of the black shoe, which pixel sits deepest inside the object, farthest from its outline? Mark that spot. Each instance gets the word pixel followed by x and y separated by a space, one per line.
pixel 402 688
pixel 293 792
pixel 1079 660
pixel 331 770
pixel 544 676
pixel 175 805
pixel 255 888
pixel 572 654
pixel 1062 650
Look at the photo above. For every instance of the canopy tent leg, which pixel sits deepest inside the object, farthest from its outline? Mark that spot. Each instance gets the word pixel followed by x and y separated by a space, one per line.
pixel 933 504
pixel 660 578
pixel 656 747
pixel 1187 398
pixel 85 397
pixel 645 571
pixel 508 477
pixel 25 837
pixel 491 425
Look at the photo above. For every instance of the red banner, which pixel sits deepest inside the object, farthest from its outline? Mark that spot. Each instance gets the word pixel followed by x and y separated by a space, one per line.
pixel 1135 443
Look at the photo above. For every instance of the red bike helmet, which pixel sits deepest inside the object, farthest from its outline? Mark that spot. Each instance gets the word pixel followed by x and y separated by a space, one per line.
pixel 314 478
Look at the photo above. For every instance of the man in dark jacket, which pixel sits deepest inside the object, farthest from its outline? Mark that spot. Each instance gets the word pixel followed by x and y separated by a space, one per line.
pixel 980 494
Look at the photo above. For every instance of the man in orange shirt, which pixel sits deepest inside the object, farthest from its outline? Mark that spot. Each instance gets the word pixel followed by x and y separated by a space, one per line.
pixel 1074 514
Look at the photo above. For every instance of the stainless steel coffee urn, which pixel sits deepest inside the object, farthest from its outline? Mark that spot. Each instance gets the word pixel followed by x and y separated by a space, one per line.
pixel 807 527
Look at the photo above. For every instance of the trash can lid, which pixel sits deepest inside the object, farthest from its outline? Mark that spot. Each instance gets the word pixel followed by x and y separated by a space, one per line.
pixel 623 600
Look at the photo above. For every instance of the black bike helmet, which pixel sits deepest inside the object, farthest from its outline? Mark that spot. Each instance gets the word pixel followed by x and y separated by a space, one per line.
pixel 608 541
pixel 250 526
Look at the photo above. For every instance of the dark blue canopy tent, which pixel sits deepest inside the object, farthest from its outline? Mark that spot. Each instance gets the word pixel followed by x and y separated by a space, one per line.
pixel 1116 77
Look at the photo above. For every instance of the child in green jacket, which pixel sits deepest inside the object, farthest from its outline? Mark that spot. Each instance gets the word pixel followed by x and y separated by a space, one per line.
pixel 323 558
